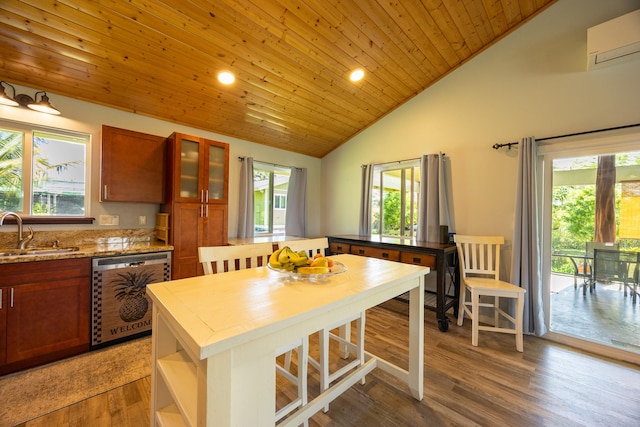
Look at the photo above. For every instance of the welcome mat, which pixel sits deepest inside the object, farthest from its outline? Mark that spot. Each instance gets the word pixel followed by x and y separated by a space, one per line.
pixel 35 392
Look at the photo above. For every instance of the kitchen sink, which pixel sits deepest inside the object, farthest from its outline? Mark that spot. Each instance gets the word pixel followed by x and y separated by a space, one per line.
pixel 47 250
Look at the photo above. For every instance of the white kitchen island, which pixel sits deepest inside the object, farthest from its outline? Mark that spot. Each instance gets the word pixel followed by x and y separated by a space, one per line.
pixel 215 338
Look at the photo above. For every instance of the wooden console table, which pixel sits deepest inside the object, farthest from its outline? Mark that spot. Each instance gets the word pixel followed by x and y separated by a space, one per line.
pixel 439 257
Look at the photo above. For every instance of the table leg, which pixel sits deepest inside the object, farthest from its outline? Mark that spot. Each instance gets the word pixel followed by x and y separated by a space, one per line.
pixel 416 340
pixel 240 386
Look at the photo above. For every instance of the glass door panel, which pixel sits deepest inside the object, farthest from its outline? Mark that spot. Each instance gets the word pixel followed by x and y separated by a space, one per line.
pixel 595 204
pixel 216 172
pixel 189 161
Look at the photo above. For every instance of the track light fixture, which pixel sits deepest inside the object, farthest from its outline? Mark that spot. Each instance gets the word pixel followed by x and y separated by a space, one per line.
pixel 23 100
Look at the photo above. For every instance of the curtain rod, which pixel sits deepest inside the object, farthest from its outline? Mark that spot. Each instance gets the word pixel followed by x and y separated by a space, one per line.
pixel 400 161
pixel 268 163
pixel 509 144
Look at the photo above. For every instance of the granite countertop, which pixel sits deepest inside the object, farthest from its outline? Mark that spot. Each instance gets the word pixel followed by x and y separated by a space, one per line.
pixel 88 244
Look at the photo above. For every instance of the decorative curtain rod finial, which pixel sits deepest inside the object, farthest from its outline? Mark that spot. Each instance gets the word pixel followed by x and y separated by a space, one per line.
pixel 508 145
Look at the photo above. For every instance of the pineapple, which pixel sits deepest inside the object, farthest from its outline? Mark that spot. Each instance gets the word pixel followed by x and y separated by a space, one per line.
pixel 131 290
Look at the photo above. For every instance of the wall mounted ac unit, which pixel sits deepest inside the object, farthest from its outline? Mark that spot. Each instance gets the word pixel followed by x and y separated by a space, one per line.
pixel 614 41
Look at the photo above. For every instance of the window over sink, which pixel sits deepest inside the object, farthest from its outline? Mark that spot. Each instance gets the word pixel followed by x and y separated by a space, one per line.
pixel 43 172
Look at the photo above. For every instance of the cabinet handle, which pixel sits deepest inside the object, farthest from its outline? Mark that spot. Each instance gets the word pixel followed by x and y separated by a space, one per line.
pixel 11 298
pixel 361 251
pixel 416 259
pixel 206 210
pixel 201 196
pixel 385 255
pixel 105 192
pixel 0 299
pixel 206 199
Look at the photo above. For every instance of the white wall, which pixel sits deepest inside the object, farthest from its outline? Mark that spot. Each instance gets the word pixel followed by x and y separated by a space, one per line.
pixel 87 117
pixel 532 83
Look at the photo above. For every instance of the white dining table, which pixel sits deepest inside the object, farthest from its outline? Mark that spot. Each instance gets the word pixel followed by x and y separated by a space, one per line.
pixel 215 337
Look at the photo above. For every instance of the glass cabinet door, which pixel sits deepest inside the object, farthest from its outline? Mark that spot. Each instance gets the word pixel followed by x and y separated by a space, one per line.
pixel 189 161
pixel 216 172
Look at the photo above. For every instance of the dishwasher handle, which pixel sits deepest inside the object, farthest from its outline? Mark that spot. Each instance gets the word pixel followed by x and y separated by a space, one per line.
pixel 136 264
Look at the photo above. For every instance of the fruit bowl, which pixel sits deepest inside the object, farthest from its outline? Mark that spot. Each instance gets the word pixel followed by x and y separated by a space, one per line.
pixel 337 268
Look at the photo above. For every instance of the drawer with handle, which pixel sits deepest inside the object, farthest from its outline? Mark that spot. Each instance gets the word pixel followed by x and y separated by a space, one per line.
pixel 340 248
pixel 417 258
pixel 388 254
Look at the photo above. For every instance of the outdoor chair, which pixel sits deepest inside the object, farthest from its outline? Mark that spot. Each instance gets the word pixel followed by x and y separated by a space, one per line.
pixel 312 247
pixel 583 264
pixel 617 266
pixel 479 259
pixel 232 258
pixel 582 267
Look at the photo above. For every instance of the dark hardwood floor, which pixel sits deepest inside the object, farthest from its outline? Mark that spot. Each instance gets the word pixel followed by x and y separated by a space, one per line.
pixel 490 385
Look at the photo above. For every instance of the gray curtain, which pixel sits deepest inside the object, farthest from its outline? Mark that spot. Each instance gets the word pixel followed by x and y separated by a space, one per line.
pixel 296 213
pixel 526 270
pixel 365 202
pixel 435 203
pixel 245 207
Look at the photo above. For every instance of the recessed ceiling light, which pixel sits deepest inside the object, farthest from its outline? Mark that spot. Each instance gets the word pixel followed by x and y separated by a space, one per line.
pixel 226 78
pixel 356 75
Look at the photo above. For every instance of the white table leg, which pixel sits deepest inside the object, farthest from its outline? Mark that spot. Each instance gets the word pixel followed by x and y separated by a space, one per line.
pixel 241 386
pixel 416 340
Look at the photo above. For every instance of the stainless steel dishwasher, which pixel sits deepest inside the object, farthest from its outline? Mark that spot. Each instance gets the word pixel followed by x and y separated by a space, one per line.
pixel 121 309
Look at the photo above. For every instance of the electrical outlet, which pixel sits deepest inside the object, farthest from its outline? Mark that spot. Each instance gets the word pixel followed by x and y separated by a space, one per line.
pixel 142 220
pixel 109 220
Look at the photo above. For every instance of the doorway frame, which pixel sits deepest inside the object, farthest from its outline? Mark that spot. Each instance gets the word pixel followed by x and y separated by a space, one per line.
pixel 607 142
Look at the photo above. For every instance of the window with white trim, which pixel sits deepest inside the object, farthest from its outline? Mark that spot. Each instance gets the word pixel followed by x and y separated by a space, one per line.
pixel 394 198
pixel 43 172
pixel 270 185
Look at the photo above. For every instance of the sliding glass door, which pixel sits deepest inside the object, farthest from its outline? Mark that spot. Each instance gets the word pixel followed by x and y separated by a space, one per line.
pixel 592 199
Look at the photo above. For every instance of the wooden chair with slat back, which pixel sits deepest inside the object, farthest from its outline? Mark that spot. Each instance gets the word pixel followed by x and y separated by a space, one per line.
pixel 221 259
pixel 230 258
pixel 313 247
pixel 479 259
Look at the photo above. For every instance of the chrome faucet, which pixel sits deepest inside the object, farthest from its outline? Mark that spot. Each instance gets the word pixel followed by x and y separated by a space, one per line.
pixel 22 241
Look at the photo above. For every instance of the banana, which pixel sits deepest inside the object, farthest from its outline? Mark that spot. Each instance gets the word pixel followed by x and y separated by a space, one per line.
pixel 285 255
pixel 273 259
pixel 320 262
pixel 300 259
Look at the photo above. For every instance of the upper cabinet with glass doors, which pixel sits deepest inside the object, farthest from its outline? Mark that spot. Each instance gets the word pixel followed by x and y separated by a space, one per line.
pixel 200 169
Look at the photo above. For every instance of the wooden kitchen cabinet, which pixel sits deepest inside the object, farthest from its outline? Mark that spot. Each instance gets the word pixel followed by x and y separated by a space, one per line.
pixel 199 170
pixel 4 292
pixel 132 166
pixel 45 312
pixel 197 225
pixel 197 199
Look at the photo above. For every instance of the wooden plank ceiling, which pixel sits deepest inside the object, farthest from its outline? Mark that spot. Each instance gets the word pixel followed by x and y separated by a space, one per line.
pixel 291 59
